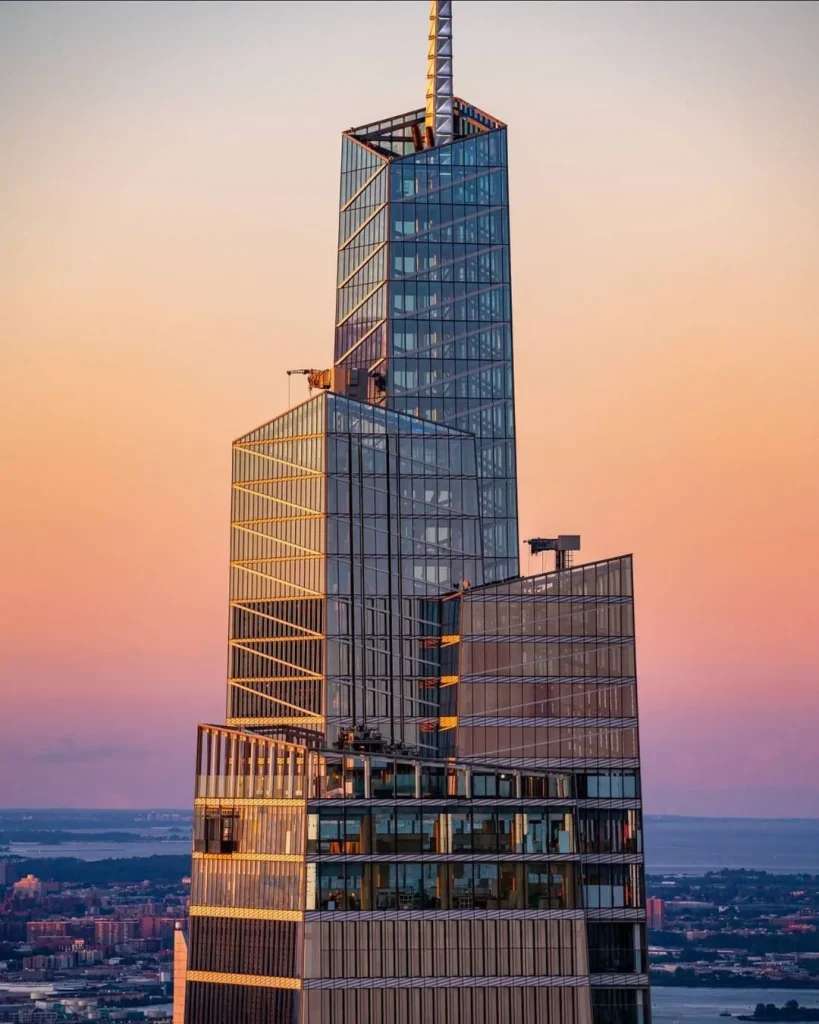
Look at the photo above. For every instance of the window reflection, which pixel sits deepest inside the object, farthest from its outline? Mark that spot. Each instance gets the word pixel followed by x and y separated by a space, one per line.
pixel 486 885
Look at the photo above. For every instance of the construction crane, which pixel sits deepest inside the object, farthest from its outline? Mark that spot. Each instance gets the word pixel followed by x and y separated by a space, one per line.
pixel 562 545
pixel 320 379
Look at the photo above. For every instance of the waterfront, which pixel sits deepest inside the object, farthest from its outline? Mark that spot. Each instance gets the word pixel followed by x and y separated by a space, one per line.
pixel 694 846
pixel 704 1005
pixel 99 849
pixel 673 845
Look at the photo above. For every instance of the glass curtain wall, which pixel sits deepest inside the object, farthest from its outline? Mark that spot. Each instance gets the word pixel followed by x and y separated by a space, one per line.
pixel 423 312
pixel 277 575
pixel 450 357
pixel 402 528
pixel 547 668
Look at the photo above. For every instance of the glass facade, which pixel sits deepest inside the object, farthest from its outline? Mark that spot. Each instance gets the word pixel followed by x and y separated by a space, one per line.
pixel 278 575
pixel 402 528
pixel 322 877
pixel 348 519
pixel 423 313
pixel 547 668
pixel 247 880
pixel 425 802
pixel 506 876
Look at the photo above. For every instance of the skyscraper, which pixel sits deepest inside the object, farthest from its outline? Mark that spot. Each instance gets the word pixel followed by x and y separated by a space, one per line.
pixel 425 802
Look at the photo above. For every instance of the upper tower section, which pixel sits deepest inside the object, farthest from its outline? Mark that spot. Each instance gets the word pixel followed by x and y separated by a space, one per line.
pixel 423 310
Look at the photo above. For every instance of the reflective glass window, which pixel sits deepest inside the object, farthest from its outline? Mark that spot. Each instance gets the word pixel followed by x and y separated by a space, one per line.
pixel 408 831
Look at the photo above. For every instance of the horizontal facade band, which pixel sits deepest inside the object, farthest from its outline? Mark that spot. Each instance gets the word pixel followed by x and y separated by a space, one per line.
pixel 246 913
pixel 557 763
pixel 472 915
pixel 469 858
pixel 313 721
pixel 498 597
pixel 588 721
pixel 472 981
pixel 253 980
pixel 244 680
pixel 548 638
pixel 276 858
pixel 263 442
pixel 478 803
pixel 619 980
pixel 533 721
pixel 240 801
pixel 476 679
pixel 284 639
pixel 620 914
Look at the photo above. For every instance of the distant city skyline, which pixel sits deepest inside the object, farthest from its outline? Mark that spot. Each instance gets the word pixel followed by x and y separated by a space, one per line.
pixel 664 168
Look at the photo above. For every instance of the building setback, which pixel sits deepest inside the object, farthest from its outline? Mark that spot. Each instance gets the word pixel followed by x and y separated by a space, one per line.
pixel 425 801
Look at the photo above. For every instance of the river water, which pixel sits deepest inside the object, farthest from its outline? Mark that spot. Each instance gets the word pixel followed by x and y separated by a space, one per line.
pixel 704 1005
pixel 94 850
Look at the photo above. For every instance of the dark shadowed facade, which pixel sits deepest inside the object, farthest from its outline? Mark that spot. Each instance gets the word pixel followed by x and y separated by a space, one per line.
pixel 425 801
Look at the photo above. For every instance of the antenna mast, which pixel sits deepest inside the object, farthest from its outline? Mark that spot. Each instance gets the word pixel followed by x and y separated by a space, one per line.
pixel 439 123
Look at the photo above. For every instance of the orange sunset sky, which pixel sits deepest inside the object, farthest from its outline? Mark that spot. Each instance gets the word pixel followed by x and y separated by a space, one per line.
pixel 169 195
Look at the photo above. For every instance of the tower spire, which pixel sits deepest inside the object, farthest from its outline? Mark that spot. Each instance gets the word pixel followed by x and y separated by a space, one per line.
pixel 439 123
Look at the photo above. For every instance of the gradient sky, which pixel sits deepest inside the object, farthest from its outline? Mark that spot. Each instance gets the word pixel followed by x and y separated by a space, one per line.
pixel 168 203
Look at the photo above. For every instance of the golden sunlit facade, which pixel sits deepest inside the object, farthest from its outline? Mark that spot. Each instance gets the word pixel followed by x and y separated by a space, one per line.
pixel 277 574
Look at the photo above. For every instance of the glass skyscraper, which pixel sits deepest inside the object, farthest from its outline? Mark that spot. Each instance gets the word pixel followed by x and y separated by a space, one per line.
pixel 425 801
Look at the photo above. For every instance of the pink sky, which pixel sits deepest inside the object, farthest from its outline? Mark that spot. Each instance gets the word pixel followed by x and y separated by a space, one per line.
pixel 169 220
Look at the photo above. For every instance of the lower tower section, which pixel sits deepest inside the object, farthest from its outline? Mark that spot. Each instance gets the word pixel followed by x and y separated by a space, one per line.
pixel 358 887
pixel 246 927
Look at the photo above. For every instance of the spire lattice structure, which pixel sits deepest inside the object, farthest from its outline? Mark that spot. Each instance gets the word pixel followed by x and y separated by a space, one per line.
pixel 439 122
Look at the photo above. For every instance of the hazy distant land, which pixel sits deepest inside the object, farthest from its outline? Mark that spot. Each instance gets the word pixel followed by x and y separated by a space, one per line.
pixel 674 845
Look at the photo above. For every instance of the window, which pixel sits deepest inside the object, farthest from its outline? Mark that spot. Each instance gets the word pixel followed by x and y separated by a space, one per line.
pixel 410 886
pixel 331 887
pixel 460 886
pixel 217 832
pixel 407 832
pixel 384 886
pixel 486 886
pixel 433 832
pixel 484 784
pixel 509 885
pixel 354 777
pixel 505 831
pixel 382 779
pixel 612 885
pixel 547 832
pixel 461 830
pixel 484 832
pixel 353 824
pixel 334 780
pixel 433 781
pixel 405 780
pixel 434 882
pixel 550 886
pixel 612 948
pixel 331 831
pixel 383 832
